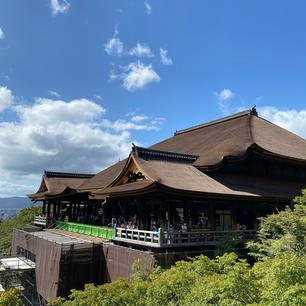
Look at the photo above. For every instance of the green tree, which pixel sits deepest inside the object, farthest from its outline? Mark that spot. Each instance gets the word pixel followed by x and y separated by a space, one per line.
pixel 282 280
pixel 282 232
pixel 10 298
pixel 24 217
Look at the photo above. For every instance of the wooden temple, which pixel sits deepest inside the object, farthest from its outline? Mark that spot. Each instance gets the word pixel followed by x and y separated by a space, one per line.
pixel 219 176
pixel 162 203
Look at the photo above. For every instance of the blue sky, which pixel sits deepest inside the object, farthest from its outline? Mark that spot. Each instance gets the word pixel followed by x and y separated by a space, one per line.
pixel 81 80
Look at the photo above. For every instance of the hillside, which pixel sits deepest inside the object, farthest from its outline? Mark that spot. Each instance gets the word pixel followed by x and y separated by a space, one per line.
pixel 14 203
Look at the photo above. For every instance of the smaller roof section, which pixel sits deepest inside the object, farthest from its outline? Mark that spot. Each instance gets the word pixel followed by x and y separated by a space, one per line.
pixel 59 183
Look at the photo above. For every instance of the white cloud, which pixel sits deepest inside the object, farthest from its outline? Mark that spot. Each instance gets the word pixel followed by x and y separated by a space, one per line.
pixel 163 56
pixel 114 46
pixel 6 98
pixel 59 136
pixel 148 8
pixel 54 93
pixel 290 119
pixel 224 97
pixel 46 111
pixel 5 76
pixel 1 33
pixel 123 125
pixel 141 50
pixel 139 118
pixel 98 97
pixel 13 189
pixel 59 8
pixel 136 76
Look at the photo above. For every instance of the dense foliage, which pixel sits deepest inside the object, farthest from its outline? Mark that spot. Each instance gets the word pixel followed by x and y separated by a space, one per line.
pixel 277 278
pixel 10 298
pixel 24 217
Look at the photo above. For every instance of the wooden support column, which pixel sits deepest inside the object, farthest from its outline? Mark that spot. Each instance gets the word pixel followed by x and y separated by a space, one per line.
pixel 59 213
pixel 140 217
pixel 188 209
pixel 234 215
pixel 78 208
pixel 44 208
pixel 69 210
pixel 74 210
pixel 48 208
pixel 211 215
pixel 54 209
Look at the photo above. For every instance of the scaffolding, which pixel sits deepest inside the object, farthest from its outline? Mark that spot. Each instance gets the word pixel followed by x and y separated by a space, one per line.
pixel 19 272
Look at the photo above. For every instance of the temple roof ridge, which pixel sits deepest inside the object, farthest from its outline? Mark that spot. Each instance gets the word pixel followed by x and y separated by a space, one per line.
pixel 140 151
pixel 251 111
pixel 67 174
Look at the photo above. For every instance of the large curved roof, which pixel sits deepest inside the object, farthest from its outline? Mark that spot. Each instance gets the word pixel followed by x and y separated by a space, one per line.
pixel 231 137
pixel 177 175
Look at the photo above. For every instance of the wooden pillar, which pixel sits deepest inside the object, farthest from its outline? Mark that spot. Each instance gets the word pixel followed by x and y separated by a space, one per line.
pixel 48 208
pixel 78 208
pixel 234 215
pixel 69 210
pixel 211 215
pixel 54 209
pixel 188 210
pixel 44 208
pixel 140 217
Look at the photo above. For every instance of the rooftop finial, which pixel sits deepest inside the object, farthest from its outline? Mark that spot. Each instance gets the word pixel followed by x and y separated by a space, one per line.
pixel 253 111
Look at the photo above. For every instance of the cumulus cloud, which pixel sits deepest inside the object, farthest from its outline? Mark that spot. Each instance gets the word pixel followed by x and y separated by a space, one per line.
pixel 163 56
pixel 59 7
pixel 135 122
pixel 141 50
pixel 46 111
pixel 14 189
pixel 148 8
pixel 122 125
pixel 60 136
pixel 224 97
pixel 139 118
pixel 54 93
pixel 6 98
pixel 1 33
pixel 71 136
pixel 136 76
pixel 114 46
pixel 290 119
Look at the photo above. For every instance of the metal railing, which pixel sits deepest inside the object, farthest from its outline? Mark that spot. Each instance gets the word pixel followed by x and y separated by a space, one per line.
pixel 39 220
pixel 176 239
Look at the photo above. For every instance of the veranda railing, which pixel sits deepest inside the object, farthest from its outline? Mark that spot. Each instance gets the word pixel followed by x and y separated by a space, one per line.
pixel 175 238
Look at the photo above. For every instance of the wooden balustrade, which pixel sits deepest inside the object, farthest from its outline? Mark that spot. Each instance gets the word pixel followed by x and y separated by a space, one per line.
pixel 41 221
pixel 174 238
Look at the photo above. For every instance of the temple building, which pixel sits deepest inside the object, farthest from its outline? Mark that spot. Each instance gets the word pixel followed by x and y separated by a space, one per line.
pixel 177 196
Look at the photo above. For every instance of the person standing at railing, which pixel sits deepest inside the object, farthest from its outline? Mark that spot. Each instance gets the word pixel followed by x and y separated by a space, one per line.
pixel 243 227
pixel 184 228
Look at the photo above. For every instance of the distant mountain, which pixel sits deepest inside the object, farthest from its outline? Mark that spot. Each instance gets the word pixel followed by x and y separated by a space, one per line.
pixel 14 203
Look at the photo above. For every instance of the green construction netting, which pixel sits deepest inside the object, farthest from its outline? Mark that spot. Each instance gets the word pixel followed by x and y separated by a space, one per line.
pixel 94 230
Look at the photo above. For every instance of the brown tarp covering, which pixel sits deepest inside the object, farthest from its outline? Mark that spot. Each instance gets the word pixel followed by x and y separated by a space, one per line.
pixel 60 268
pixel 119 261
pixel 48 255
